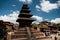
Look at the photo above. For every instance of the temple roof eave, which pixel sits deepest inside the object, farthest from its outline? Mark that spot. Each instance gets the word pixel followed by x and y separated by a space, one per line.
pixel 25 11
pixel 25 19
pixel 26 14
pixel 21 19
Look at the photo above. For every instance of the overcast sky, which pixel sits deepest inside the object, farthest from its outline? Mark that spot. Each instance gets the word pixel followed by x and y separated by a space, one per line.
pixel 41 10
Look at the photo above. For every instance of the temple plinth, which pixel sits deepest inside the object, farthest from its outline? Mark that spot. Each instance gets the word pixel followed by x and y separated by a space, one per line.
pixel 25 17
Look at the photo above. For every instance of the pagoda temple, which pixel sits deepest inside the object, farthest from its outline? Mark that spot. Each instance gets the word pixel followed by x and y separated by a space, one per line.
pixel 25 19
pixel 25 32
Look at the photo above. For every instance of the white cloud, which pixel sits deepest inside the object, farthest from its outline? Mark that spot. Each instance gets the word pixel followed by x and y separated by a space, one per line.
pixel 37 18
pixel 35 22
pixel 47 20
pixel 12 17
pixel 58 2
pixel 56 20
pixel 38 8
pixel 13 5
pixel 22 0
pixel 46 6
pixel 26 1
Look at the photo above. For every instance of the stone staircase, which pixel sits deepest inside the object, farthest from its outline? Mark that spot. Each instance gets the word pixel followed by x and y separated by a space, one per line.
pixel 37 35
pixel 26 34
pixel 20 34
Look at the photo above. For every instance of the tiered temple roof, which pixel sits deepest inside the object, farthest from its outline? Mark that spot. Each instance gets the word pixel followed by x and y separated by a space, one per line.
pixel 25 16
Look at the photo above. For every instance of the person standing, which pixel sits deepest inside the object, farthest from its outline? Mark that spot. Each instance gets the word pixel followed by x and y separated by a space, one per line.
pixel 55 38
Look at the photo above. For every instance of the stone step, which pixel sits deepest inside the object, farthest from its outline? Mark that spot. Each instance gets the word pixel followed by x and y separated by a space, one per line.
pixel 43 38
pixel 38 34
pixel 20 32
pixel 18 36
pixel 22 29
pixel 20 39
pixel 35 31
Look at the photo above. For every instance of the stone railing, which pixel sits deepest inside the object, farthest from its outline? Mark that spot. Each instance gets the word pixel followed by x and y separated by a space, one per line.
pixel 29 33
